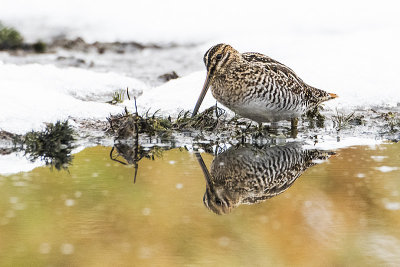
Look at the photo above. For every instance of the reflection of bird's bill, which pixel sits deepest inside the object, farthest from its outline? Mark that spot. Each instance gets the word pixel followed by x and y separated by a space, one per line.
pixel 202 94
pixel 203 166
pixel 225 206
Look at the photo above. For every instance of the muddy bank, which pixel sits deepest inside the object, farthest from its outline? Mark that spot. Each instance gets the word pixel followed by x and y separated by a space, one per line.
pixel 78 44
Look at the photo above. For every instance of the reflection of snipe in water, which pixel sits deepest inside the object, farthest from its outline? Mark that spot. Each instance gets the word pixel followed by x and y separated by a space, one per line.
pixel 248 175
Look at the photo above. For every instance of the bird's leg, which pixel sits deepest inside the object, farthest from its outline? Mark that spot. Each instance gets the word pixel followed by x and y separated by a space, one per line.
pixel 273 129
pixel 293 127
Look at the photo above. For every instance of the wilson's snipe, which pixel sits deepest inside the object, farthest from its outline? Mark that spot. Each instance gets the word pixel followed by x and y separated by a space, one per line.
pixel 248 174
pixel 256 86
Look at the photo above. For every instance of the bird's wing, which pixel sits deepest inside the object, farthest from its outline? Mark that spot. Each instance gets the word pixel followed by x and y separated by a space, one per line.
pixel 268 62
pixel 258 57
pixel 284 76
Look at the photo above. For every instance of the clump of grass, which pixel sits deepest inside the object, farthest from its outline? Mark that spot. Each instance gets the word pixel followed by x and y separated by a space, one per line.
pixel 209 120
pixel 118 97
pixel 212 121
pixel 127 124
pixel 39 47
pixel 10 38
pixel 341 120
pixel 53 145
pixel 315 117
pixel 392 120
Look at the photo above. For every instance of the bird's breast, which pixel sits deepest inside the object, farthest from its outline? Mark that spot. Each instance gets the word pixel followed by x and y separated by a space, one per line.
pixel 257 101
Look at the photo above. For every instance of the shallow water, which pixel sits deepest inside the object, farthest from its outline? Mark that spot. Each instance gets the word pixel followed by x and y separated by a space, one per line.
pixel 343 210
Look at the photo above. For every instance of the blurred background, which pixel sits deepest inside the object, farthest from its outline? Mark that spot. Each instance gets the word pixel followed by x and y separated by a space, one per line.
pixel 348 47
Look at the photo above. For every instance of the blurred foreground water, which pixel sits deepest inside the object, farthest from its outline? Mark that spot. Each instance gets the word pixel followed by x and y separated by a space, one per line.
pixel 344 210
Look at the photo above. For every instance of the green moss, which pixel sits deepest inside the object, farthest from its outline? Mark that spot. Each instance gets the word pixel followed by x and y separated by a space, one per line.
pixel 10 38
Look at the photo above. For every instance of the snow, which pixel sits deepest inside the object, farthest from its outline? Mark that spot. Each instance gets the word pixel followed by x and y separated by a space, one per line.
pixel 331 143
pixel 33 94
pixel 180 20
pixel 345 47
pixel 175 95
pixel 17 162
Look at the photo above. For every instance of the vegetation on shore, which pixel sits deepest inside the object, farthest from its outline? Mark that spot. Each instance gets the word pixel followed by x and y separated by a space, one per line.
pixel 10 38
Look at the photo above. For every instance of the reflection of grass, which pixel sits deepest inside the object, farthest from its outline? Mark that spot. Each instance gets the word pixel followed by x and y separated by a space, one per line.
pixel 53 145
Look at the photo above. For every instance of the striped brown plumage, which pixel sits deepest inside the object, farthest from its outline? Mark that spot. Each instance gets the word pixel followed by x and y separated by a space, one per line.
pixel 256 86
pixel 247 174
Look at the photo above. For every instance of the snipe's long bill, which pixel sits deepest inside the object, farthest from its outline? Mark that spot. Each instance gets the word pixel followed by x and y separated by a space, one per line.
pixel 256 86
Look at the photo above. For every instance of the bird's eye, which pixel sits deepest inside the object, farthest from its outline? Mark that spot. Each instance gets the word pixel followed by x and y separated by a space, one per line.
pixel 219 56
pixel 218 202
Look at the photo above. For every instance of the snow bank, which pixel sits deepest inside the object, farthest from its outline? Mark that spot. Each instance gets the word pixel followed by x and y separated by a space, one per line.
pixel 33 94
pixel 175 95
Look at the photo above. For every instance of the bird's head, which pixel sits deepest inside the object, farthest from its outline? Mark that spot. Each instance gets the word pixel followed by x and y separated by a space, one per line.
pixel 216 59
pixel 219 200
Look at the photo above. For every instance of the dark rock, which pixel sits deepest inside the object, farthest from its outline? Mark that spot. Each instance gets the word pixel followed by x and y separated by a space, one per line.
pixel 168 76
pixel 7 136
pixel 72 61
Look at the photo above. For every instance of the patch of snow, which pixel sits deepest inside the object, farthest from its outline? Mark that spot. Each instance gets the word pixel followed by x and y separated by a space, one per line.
pixel 33 94
pixel 331 143
pixel 175 96
pixel 16 162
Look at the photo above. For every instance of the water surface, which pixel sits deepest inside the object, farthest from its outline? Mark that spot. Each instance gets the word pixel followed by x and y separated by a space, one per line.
pixel 344 210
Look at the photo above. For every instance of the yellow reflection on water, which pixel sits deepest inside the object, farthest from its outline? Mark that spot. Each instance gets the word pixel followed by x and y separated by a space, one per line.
pixel 344 211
